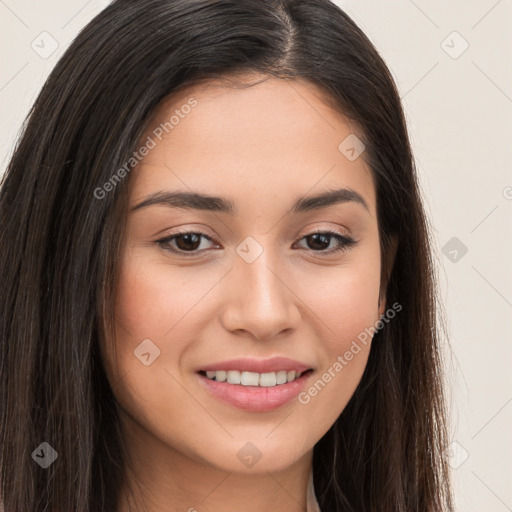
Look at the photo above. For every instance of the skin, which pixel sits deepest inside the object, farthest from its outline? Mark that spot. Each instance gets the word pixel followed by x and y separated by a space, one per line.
pixel 262 147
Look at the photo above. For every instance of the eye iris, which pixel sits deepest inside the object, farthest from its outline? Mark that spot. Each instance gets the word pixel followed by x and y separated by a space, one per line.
pixel 196 241
pixel 322 237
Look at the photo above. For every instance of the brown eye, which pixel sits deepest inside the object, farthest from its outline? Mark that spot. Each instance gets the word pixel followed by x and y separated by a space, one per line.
pixel 182 243
pixel 189 242
pixel 321 240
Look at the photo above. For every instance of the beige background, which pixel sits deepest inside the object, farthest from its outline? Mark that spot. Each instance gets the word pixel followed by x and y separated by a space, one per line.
pixel 458 102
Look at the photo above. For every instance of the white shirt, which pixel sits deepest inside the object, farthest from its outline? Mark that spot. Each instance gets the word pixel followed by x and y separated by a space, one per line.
pixel 311 502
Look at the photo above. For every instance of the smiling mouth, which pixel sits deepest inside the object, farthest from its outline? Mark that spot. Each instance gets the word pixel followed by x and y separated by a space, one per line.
pixel 253 379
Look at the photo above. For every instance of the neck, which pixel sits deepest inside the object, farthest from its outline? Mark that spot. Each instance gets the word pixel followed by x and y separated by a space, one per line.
pixel 161 478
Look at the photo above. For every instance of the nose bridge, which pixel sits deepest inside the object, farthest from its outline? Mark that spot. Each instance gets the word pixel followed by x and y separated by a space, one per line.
pixel 258 267
pixel 261 301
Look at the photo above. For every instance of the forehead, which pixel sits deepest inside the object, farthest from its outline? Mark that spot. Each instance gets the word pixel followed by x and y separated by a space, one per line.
pixel 274 137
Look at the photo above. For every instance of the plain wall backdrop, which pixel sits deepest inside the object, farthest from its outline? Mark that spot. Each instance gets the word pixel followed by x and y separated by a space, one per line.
pixel 451 60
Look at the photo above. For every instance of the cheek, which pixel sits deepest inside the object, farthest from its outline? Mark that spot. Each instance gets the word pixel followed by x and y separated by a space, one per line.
pixel 351 310
pixel 149 303
pixel 152 300
pixel 156 302
pixel 142 300
pixel 347 306
pixel 347 302
pixel 143 311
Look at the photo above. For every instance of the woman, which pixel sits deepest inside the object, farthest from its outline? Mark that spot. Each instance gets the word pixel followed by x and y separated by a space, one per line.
pixel 218 291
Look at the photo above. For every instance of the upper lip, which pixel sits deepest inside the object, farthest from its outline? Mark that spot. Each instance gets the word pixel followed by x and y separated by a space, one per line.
pixel 273 364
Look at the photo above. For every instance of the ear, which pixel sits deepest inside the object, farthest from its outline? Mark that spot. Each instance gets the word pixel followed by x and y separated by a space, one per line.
pixel 386 272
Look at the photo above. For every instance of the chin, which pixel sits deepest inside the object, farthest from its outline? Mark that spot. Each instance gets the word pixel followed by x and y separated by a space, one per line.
pixel 259 455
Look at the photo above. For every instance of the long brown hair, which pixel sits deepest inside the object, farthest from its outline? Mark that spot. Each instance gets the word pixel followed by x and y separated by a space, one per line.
pixel 60 245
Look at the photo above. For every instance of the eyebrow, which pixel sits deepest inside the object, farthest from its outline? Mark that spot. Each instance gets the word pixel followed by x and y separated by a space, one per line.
pixel 196 201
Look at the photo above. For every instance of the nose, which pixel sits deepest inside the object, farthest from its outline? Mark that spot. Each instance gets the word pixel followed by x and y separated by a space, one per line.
pixel 260 301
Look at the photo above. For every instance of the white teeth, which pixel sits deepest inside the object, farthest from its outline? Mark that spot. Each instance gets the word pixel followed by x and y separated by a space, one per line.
pixel 220 376
pixel 254 379
pixel 268 379
pixel 233 377
pixel 281 377
pixel 249 379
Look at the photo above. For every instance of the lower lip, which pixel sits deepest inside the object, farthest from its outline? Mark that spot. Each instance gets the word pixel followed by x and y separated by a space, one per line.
pixel 256 398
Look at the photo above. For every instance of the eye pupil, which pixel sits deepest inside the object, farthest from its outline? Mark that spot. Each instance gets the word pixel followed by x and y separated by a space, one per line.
pixel 322 237
pixel 196 241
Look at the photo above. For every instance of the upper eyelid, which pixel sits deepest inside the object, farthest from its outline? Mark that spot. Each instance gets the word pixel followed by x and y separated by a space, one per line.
pixel 310 232
pixel 189 228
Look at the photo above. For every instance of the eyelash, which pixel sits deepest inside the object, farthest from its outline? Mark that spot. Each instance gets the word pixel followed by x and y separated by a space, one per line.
pixel 346 242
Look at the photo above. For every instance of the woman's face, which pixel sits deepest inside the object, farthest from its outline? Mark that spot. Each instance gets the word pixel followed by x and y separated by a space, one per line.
pixel 247 286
